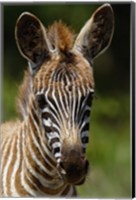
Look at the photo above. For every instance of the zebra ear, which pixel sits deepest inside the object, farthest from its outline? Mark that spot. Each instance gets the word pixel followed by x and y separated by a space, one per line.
pixel 95 37
pixel 31 39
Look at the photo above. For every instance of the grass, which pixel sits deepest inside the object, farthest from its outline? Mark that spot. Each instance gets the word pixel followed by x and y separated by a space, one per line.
pixel 109 147
pixel 9 92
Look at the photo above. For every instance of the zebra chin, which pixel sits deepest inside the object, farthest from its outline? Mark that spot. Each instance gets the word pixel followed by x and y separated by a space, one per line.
pixel 73 168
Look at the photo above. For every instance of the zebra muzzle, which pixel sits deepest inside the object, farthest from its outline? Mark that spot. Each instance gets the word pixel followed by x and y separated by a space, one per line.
pixel 73 168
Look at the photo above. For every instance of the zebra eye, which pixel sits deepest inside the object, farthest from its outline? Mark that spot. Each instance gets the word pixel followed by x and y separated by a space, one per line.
pixel 41 100
pixel 90 98
pixel 85 140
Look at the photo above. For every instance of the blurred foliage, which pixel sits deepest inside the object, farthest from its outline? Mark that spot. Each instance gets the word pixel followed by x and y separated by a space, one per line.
pixel 109 148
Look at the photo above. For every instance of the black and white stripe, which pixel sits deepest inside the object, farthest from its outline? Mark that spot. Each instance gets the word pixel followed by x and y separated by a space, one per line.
pixel 63 104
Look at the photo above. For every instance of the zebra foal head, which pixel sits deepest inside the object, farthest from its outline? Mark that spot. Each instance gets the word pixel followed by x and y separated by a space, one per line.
pixel 60 66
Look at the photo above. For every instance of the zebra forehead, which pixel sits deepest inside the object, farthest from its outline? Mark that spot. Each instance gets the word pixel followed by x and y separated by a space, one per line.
pixel 57 72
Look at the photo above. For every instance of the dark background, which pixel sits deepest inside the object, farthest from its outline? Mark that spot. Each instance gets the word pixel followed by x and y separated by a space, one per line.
pixel 109 147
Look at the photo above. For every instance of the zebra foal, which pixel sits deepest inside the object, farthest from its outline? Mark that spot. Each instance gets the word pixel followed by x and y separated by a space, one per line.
pixel 43 153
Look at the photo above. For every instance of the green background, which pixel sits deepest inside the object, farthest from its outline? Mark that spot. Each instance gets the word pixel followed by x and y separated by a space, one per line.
pixel 109 147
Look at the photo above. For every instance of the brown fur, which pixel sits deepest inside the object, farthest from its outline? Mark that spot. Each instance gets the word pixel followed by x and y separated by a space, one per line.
pixel 61 36
pixel 23 94
pixel 5 129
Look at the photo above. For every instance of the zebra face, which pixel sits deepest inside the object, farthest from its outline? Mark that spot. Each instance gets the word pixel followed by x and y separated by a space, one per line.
pixel 66 130
pixel 65 117
pixel 65 104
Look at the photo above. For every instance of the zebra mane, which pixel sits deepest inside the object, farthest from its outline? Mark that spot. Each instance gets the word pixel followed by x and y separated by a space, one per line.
pixel 61 36
pixel 23 94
